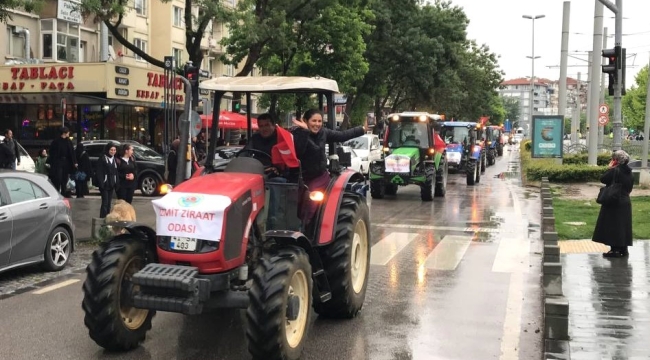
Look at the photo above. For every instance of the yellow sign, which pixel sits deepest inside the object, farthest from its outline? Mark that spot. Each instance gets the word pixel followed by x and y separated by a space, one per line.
pixel 118 82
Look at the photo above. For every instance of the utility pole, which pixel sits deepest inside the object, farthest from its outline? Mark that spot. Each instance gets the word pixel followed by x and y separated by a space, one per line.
pixel 589 96
pixel 564 55
pixel 594 85
pixel 532 74
pixel 646 126
pixel 617 9
pixel 575 119
pixel 603 86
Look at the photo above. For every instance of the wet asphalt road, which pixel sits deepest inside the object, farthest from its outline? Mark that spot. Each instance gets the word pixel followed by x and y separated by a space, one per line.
pixel 456 278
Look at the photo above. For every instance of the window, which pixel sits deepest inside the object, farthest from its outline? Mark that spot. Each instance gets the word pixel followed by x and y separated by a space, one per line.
pixel 60 40
pixel 230 70
pixel 21 190
pixel 178 55
pixel 15 43
pixel 140 44
pixel 178 16
pixel 141 7
pixel 110 40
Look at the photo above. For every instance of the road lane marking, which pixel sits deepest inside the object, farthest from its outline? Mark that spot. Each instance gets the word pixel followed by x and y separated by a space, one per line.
pixel 55 286
pixel 383 251
pixel 449 228
pixel 512 255
pixel 448 253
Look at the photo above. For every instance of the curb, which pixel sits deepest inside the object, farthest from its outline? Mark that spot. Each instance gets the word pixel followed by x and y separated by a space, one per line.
pixel 556 306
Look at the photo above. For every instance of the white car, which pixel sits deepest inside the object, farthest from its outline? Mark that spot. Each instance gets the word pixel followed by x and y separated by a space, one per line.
pixel 26 161
pixel 367 148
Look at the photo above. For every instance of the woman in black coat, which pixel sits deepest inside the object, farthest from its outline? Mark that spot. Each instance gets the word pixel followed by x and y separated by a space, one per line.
pixel 107 178
pixel 85 167
pixel 126 170
pixel 614 224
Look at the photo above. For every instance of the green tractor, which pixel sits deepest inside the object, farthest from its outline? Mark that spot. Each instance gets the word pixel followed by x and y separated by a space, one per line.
pixel 413 153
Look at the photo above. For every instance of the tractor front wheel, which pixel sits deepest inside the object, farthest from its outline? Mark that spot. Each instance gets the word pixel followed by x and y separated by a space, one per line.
pixel 112 321
pixel 377 189
pixel 347 260
pixel 441 180
pixel 391 189
pixel 280 303
pixel 470 171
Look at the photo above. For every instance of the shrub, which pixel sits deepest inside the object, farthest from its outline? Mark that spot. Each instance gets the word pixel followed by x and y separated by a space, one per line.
pixel 563 173
pixel 582 159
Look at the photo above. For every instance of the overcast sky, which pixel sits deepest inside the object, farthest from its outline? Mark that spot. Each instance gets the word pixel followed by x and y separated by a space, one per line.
pixel 499 24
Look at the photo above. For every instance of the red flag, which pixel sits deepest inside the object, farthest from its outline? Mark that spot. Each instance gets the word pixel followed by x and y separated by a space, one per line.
pixel 438 143
pixel 284 152
pixel 484 120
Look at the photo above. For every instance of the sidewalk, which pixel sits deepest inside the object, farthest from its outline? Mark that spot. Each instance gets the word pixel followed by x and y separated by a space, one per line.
pixel 609 305
pixel 83 210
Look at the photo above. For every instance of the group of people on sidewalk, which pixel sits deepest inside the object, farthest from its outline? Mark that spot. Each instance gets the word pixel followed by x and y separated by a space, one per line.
pixel 116 174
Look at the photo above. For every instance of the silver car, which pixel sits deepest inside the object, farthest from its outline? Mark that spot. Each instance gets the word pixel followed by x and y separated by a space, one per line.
pixel 35 222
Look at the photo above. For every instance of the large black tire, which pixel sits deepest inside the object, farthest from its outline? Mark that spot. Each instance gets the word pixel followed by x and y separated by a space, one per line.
pixel 57 249
pixel 111 322
pixel 390 189
pixel 377 189
pixel 441 180
pixel 271 336
pixel 483 161
pixel 500 150
pixel 426 191
pixel 470 171
pixel 347 260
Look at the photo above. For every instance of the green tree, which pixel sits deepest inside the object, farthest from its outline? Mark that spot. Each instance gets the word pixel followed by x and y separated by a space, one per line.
pixel 26 5
pixel 634 101
pixel 511 105
pixel 112 12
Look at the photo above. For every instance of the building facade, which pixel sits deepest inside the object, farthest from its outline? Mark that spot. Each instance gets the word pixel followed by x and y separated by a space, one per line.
pixel 53 74
pixel 520 89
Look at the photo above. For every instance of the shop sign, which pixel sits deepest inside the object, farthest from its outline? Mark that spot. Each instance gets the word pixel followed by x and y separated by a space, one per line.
pixel 156 88
pixel 40 79
pixel 69 11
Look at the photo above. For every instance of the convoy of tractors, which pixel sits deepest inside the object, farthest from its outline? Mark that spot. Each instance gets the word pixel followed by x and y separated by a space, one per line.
pixel 214 245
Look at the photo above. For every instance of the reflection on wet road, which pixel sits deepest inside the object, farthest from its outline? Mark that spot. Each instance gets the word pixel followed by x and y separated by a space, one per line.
pixel 449 279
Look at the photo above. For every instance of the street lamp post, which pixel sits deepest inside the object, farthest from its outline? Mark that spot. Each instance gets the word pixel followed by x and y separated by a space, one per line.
pixel 532 76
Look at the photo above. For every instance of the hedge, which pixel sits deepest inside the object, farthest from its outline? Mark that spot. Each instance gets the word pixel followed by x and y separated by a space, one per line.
pixel 575 169
pixel 602 160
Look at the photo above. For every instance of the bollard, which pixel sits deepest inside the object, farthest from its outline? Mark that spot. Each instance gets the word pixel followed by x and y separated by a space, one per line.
pixel 548 224
pixel 556 318
pixel 547 202
pixel 95 228
pixel 551 253
pixel 552 278
pixel 550 237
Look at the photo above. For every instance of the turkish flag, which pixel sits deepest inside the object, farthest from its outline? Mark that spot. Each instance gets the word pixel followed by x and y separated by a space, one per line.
pixel 438 143
pixel 484 120
pixel 284 152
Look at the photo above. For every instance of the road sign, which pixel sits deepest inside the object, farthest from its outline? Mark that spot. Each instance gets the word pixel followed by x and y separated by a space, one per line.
pixel 603 120
pixel 195 122
pixel 169 62
pixel 603 109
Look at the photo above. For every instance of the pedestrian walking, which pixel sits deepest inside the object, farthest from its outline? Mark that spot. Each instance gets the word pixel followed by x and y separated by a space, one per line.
pixel 84 171
pixel 13 156
pixel 126 170
pixel 614 224
pixel 42 167
pixel 62 161
pixel 107 178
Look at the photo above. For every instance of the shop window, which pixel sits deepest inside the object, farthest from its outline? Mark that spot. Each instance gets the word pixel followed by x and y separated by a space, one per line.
pixel 60 40
pixel 178 56
pixel 177 16
pixel 142 45
pixel 141 7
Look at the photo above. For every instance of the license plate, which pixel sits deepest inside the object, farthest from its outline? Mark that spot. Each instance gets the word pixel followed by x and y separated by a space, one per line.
pixel 182 243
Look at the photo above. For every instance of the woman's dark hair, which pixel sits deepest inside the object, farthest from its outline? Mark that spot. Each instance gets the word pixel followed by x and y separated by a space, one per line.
pixel 40 152
pixel 64 130
pixel 311 112
pixel 109 146
pixel 124 148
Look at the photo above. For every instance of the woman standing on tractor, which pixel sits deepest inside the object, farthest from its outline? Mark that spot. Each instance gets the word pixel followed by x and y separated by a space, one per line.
pixel 311 135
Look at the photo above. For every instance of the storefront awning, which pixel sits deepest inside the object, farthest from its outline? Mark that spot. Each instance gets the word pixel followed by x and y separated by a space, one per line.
pixel 229 121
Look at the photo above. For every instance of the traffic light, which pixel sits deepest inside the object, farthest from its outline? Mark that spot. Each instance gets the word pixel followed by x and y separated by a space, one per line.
pixel 236 106
pixel 191 73
pixel 611 68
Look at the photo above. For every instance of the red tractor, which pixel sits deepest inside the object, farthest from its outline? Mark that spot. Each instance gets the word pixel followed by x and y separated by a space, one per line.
pixel 211 248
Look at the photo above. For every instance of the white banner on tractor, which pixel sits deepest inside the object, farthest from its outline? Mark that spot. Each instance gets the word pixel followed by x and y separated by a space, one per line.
pixel 190 215
pixel 398 163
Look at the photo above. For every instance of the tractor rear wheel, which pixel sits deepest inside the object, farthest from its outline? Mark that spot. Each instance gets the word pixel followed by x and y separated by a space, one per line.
pixel 470 171
pixel 112 321
pixel 347 260
pixel 280 305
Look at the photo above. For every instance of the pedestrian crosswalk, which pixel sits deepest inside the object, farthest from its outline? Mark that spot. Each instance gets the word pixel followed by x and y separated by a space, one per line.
pixel 449 251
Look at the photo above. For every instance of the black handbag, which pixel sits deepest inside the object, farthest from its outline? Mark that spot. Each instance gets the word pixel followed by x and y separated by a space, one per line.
pixel 612 194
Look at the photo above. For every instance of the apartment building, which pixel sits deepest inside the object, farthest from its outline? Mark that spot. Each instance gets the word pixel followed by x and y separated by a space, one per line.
pixel 53 73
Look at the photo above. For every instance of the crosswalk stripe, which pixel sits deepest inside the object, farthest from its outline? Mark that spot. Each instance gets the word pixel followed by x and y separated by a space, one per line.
pixel 449 228
pixel 448 253
pixel 512 255
pixel 55 286
pixel 383 251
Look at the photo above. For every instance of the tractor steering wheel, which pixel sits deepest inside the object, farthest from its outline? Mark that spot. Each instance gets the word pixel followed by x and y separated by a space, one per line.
pixel 253 152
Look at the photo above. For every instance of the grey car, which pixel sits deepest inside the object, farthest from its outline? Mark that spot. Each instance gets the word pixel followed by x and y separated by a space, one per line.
pixel 35 222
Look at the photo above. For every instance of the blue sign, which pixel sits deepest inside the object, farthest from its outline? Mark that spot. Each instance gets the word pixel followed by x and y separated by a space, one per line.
pixel 508 126
pixel 547 136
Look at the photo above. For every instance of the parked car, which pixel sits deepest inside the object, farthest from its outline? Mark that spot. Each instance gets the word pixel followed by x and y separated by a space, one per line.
pixel 150 164
pixel 367 148
pixel 26 161
pixel 28 199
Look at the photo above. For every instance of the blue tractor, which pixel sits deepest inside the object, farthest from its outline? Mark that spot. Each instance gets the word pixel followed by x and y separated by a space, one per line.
pixel 464 152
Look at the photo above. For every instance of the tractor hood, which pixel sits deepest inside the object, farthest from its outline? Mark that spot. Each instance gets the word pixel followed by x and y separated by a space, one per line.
pixel 413 153
pixel 402 160
pixel 454 148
